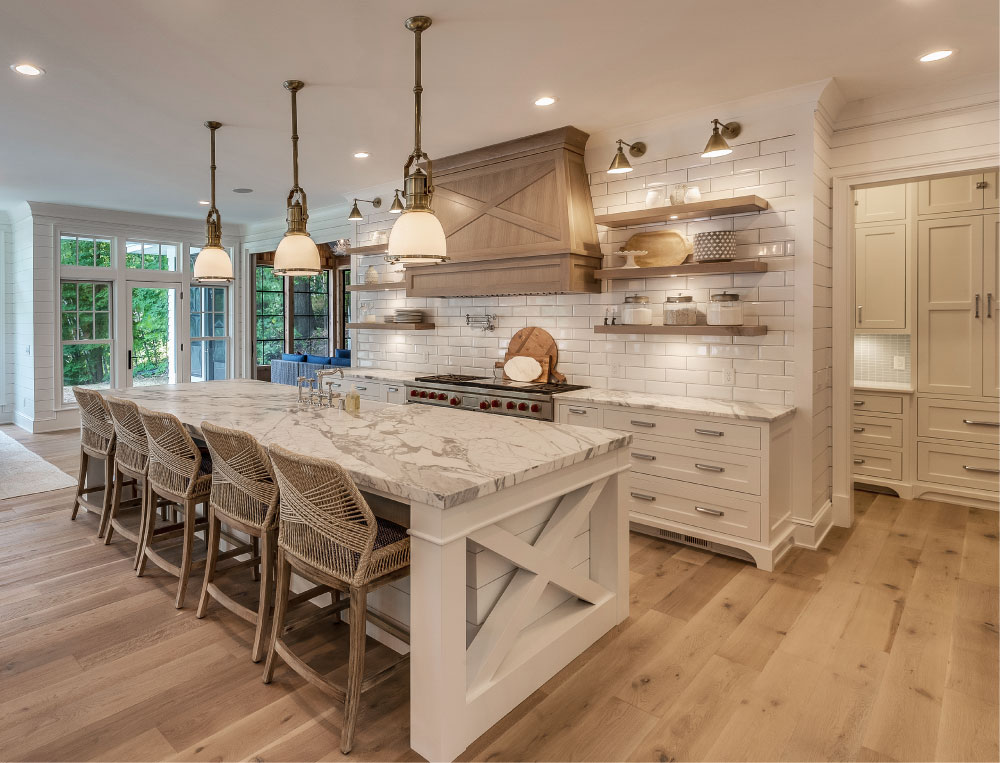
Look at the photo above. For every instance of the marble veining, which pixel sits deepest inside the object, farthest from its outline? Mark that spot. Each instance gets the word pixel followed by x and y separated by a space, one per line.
pixel 701 406
pixel 415 453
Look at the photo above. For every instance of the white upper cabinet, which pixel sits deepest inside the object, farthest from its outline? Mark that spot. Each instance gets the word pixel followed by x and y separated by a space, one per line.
pixel 880 276
pixel 991 318
pixel 992 198
pixel 879 205
pixel 964 193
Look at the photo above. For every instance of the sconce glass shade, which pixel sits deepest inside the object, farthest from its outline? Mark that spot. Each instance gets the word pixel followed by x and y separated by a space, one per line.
pixel 355 212
pixel 213 264
pixel 296 255
pixel 417 237
pixel 620 164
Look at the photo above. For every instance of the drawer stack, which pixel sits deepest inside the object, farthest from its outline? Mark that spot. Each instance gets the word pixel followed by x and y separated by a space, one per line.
pixel 878 436
pixel 957 443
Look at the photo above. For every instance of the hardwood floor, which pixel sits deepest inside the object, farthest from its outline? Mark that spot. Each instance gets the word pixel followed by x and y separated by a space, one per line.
pixel 881 645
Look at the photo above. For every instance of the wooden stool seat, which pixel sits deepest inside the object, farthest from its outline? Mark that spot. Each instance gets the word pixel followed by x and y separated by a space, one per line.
pixel 97 440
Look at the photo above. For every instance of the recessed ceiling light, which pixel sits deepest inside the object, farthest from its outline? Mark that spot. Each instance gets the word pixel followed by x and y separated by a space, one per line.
pixel 936 55
pixel 361 154
pixel 29 70
pixel 545 100
pixel 673 217
pixel 243 190
pixel 204 203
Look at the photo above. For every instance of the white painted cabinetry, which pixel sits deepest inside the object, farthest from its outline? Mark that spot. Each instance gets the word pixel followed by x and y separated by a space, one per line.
pixel 963 193
pixel 380 391
pixel 878 205
pixel 881 267
pixel 880 438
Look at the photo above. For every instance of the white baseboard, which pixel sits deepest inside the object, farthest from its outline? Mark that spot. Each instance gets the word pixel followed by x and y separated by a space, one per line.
pixel 811 534
pixel 59 420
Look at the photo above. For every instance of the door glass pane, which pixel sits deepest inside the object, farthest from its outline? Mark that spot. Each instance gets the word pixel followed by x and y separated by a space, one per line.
pixel 154 341
pixel 208 319
pixel 208 360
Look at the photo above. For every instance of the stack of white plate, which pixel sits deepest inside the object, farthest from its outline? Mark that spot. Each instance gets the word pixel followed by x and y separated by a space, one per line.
pixel 408 316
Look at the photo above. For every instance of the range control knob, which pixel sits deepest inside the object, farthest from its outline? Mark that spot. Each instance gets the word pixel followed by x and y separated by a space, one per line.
pixel 423 393
pixel 510 405
pixel 455 400
pixel 439 396
pixel 535 407
pixel 484 405
pixel 495 403
pixel 522 406
pixel 414 393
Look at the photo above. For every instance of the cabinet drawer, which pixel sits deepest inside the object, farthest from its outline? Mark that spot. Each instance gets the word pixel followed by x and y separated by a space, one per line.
pixel 714 468
pixel 367 390
pixel 872 462
pixel 680 502
pixel 866 402
pixel 959 465
pixel 958 420
pixel 581 415
pixel 394 393
pixel 877 430
pixel 709 432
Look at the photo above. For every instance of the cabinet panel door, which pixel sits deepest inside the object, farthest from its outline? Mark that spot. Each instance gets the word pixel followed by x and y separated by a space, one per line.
pixel 950 194
pixel 877 205
pixel 880 277
pixel 991 318
pixel 949 286
pixel 992 198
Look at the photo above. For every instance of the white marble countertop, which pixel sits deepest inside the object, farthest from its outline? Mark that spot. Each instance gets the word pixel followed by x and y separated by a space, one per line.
pixel 437 456
pixel 702 406
pixel 883 386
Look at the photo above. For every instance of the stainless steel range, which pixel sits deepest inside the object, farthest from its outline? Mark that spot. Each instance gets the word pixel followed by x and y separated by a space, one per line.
pixel 530 400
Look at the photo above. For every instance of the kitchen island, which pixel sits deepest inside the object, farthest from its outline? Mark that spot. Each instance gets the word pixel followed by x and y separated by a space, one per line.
pixel 518 531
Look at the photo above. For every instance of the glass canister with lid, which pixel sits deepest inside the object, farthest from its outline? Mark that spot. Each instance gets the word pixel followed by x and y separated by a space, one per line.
pixel 725 309
pixel 680 310
pixel 637 311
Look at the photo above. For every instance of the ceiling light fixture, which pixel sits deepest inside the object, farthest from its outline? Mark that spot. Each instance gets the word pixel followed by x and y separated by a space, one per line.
pixel 936 55
pixel 296 254
pixel 417 237
pixel 397 203
pixel 204 203
pixel 620 163
pixel 546 100
pixel 213 263
pixel 356 213
pixel 29 70
pixel 361 154
pixel 717 145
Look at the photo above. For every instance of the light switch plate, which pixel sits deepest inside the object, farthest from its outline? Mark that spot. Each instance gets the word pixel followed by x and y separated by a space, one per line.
pixel 899 362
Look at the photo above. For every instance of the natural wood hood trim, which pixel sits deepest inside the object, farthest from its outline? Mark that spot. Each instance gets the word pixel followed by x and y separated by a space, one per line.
pixel 568 138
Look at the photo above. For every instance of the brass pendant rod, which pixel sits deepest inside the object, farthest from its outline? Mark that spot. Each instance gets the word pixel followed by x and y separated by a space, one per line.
pixel 295 142
pixel 213 128
pixel 417 90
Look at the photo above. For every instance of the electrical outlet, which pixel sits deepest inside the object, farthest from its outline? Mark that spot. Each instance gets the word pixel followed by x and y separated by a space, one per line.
pixel 728 376
pixel 899 362
pixel 616 370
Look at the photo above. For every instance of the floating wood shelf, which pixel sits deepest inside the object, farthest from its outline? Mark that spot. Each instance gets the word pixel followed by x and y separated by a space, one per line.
pixel 734 206
pixel 392 326
pixel 690 269
pixel 384 286
pixel 684 330
pixel 370 249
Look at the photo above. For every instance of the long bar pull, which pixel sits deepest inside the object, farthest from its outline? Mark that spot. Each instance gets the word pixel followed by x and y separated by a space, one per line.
pixel 974 422
pixel 644 456
pixel 859 460
pixel 643 496
pixel 579 411
pixel 859 313
pixel 642 424
pixel 710 468
pixel 977 305
pixel 713 512
pixel 710 432
pixel 981 469
pixel 989 304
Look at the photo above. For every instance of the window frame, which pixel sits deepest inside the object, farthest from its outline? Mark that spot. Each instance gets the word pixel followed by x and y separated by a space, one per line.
pixel 225 337
pixel 290 312
pixel 59 400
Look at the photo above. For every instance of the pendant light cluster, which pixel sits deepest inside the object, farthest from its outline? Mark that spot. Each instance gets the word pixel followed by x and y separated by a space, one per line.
pixel 213 264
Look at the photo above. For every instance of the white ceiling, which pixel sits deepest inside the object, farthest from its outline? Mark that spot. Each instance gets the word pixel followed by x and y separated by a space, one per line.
pixel 116 120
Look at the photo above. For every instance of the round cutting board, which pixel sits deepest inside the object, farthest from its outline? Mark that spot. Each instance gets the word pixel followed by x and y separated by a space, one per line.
pixel 536 343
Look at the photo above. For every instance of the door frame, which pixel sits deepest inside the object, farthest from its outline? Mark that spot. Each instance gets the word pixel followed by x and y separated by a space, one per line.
pixel 844 184
pixel 180 336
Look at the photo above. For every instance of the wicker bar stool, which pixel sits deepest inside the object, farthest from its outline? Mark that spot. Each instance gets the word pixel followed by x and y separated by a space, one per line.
pixel 244 496
pixel 97 440
pixel 329 535
pixel 178 473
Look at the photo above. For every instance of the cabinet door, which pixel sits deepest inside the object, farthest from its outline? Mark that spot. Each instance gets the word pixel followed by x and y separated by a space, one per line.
pixel 949 285
pixel 992 198
pixel 880 277
pixel 878 205
pixel 950 194
pixel 991 318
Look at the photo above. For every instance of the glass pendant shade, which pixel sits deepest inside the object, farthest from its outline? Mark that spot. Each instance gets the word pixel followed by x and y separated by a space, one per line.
pixel 296 255
pixel 416 237
pixel 213 264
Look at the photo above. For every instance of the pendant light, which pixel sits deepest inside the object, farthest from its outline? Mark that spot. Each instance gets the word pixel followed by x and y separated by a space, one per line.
pixel 397 204
pixel 620 163
pixel 296 254
pixel 212 263
pixel 717 145
pixel 417 236
pixel 356 213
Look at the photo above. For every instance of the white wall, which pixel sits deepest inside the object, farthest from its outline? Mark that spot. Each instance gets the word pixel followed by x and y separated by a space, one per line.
pixel 6 320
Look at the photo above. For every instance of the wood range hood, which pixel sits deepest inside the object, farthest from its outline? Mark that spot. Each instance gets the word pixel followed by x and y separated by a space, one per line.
pixel 518 219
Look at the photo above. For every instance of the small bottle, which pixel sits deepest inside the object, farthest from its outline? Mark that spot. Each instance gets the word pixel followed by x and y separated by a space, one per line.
pixel 352 401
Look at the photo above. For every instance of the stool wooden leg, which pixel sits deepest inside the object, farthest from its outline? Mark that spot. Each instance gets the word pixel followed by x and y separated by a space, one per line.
pixel 81 481
pixel 186 553
pixel 149 513
pixel 109 478
pixel 255 544
pixel 284 573
pixel 214 528
pixel 266 595
pixel 116 502
pixel 355 665
pixel 144 512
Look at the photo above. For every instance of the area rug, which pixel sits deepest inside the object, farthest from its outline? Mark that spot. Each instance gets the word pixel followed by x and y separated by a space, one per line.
pixel 24 473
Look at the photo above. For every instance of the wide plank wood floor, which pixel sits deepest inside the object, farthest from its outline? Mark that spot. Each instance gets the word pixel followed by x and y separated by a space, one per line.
pixel 881 645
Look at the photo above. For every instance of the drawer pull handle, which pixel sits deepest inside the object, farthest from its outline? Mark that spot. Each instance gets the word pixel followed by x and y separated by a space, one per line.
pixel 710 468
pixel 644 456
pixel 858 429
pixel 394 389
pixel 859 460
pixel 644 497
pixel 710 432
pixel 858 403
pixel 648 424
pixel 981 469
pixel 359 386
pixel 973 422
pixel 713 512
pixel 579 411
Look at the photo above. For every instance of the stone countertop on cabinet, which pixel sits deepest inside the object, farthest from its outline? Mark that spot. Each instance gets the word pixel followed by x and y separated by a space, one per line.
pixel 413 453
pixel 700 406
pixel 870 386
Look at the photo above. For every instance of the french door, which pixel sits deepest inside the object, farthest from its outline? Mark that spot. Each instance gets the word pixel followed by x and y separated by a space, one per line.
pixel 153 348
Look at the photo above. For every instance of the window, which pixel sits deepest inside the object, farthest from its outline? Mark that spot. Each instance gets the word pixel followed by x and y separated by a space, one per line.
pixel 208 333
pixel 345 314
pixel 85 313
pixel 270 315
pixel 144 255
pixel 311 316
pixel 84 250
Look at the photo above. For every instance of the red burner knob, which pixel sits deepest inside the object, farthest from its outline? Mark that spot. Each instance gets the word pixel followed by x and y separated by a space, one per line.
pixel 423 393
pixel 522 406
pixel 413 393
pixel 455 400
pixel 535 408
pixel 510 405
pixel 495 403
pixel 484 405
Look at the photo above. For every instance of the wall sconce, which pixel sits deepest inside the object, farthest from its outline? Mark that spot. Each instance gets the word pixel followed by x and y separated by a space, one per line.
pixel 356 213
pixel 717 145
pixel 620 163
pixel 397 204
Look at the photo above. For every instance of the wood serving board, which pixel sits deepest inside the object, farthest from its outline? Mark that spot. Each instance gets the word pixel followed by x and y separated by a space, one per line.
pixel 538 344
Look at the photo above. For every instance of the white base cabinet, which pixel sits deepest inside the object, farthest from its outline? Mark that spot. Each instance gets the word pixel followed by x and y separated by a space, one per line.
pixel 379 391
pixel 716 483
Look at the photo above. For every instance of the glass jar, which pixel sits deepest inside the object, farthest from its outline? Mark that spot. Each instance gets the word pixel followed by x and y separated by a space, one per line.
pixel 680 311
pixel 725 309
pixel 637 311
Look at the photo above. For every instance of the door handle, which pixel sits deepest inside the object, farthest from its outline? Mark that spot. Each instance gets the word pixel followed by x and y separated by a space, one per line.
pixel 858 429
pixel 982 184
pixel 973 422
pixel 130 360
pixel 710 432
pixel 713 512
pixel 644 456
pixel 989 304
pixel 643 496
pixel 858 403
pixel 579 411
pixel 859 460
pixel 358 386
pixel 977 305
pixel 981 469
pixel 710 468
pixel 648 424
